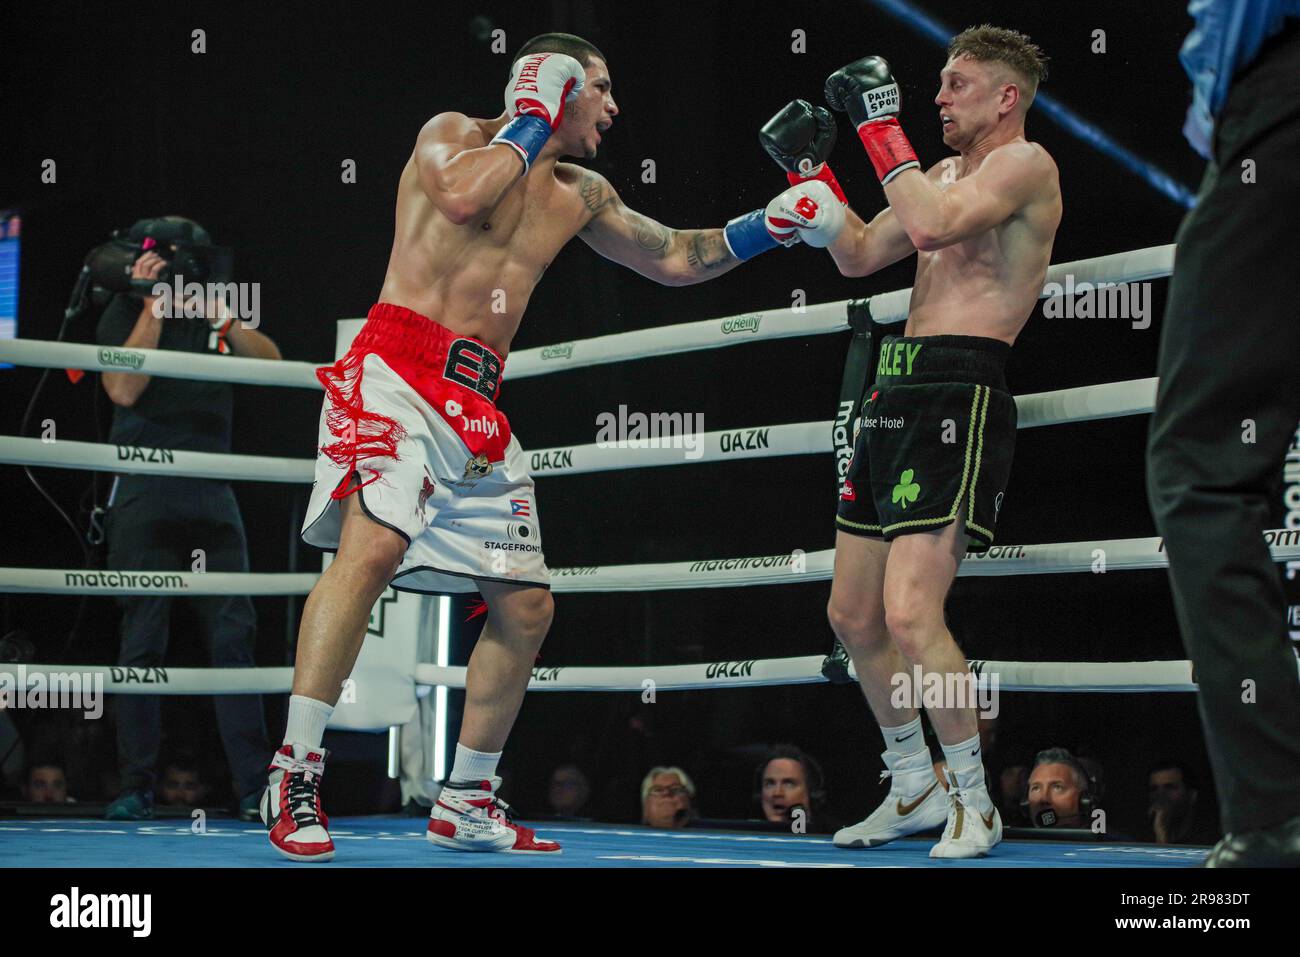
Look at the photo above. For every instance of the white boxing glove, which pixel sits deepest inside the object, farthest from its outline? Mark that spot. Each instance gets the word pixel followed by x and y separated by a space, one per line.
pixel 810 211
pixel 540 85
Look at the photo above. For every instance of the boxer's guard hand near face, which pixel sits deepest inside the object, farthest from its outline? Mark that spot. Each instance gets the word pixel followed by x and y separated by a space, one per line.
pixel 539 88
pixel 799 138
pixel 868 92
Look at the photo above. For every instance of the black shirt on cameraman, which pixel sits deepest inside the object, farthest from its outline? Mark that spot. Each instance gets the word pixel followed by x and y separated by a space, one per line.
pixel 182 414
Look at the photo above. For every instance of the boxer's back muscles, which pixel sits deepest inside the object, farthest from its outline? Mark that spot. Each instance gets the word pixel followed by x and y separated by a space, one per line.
pixel 984 277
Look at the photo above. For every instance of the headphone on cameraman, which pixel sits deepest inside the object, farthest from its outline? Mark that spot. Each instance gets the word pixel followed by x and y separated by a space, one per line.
pixel 1089 794
pixel 814 780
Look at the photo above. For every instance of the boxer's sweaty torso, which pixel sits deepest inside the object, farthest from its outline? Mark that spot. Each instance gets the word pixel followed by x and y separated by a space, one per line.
pixel 476 278
pixel 987 285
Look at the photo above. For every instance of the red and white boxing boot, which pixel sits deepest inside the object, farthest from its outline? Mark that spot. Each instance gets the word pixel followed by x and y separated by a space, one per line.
pixel 291 806
pixel 470 817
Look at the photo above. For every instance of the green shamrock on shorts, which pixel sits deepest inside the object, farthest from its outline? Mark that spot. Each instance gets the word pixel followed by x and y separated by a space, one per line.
pixel 906 490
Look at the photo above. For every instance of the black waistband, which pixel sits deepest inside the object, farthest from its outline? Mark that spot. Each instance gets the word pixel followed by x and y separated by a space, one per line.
pixel 924 359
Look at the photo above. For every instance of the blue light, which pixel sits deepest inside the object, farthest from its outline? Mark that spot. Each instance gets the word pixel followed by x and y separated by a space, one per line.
pixel 1062 115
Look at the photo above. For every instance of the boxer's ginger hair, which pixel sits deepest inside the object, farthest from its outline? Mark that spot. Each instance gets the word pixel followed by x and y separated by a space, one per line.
pixel 989 44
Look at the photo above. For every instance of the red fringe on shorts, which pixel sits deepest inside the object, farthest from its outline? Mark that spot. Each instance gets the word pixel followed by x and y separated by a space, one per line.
pixel 361 434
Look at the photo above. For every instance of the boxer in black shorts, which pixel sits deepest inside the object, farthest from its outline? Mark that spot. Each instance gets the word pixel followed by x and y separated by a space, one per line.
pixel 934 449
pixel 937 433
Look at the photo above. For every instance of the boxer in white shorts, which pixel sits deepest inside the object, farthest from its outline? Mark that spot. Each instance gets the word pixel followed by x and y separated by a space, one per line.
pixel 420 483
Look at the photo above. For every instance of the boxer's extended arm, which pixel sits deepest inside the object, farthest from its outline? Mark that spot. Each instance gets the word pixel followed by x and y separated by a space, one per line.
pixel 863 248
pixel 464 183
pixel 673 257
pixel 1009 179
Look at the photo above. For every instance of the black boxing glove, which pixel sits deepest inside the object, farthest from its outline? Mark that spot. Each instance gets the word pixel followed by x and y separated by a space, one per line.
pixel 799 138
pixel 867 91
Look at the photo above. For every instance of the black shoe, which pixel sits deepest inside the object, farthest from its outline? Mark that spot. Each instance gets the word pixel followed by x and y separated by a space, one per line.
pixel 1276 846
pixel 835 666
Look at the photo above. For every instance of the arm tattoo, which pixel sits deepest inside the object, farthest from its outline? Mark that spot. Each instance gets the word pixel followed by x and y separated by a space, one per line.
pixel 652 237
pixel 592 190
pixel 707 250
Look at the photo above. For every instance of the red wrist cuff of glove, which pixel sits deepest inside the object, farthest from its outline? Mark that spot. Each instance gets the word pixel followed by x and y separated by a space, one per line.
pixel 826 176
pixel 888 148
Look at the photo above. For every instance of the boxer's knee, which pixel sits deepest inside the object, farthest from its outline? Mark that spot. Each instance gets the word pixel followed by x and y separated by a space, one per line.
pixel 526 617
pixel 914 624
pixel 860 629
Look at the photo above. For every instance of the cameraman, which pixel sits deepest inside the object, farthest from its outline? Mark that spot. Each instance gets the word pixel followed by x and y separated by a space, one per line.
pixel 157 522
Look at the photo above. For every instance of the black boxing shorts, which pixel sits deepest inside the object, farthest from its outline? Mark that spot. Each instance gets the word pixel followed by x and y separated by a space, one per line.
pixel 937 434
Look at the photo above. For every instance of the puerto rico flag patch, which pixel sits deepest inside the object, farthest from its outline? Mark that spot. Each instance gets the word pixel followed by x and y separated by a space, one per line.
pixel 519 506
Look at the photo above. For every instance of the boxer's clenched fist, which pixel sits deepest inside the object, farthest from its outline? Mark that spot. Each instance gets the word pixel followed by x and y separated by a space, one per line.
pixel 809 211
pixel 540 86
pixel 799 137
pixel 868 92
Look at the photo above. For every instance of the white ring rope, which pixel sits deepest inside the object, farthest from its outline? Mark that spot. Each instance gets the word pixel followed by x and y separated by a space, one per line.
pixel 1133 266
pixel 1097 557
pixel 1067 405
pixel 1074 676
pixel 1081 404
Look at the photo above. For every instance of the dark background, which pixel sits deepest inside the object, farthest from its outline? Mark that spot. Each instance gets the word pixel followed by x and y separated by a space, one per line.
pixel 249 137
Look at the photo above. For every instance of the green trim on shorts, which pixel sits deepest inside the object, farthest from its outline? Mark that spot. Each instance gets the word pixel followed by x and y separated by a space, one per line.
pixel 865 528
pixel 979 451
pixel 971 438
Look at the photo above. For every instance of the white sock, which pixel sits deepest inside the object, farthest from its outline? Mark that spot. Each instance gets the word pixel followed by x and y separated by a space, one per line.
pixel 307 720
pixel 965 760
pixel 906 738
pixel 473 766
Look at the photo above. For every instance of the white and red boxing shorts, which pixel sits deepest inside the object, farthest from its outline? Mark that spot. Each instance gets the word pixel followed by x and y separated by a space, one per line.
pixel 410 426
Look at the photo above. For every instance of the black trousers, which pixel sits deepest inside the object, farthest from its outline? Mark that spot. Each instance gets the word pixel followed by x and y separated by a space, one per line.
pixel 158 523
pixel 1226 408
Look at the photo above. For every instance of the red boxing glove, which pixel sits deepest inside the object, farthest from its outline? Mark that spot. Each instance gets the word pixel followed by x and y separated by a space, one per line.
pixel 888 148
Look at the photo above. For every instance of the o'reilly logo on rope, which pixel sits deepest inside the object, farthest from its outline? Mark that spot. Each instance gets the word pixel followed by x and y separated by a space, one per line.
pixel 561 350
pixel 741 324
pixel 729 669
pixel 41 690
pixel 130 911
pixel 120 358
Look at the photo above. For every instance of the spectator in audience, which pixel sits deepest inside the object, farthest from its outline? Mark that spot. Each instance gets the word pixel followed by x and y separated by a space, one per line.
pixel 791 790
pixel 1172 810
pixel 568 791
pixel 1060 793
pixel 181 783
pixel 667 798
pixel 45 783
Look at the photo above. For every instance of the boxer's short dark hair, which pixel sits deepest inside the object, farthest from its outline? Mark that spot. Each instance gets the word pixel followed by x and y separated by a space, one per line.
pixel 989 44
pixel 566 43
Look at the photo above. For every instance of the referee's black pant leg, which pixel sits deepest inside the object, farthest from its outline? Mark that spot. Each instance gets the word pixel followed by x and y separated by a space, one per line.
pixel 1227 405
